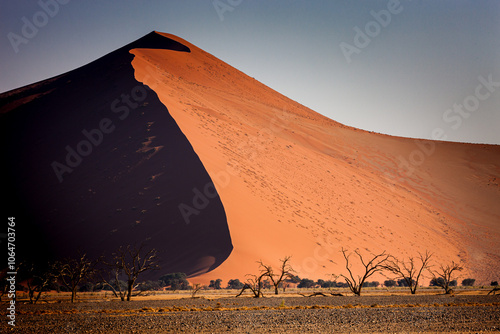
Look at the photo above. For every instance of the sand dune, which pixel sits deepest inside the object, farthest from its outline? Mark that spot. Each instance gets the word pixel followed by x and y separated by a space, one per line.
pixel 289 181
pixel 296 183
pixel 96 162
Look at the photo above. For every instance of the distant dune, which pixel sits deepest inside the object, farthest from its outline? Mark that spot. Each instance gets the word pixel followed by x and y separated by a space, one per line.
pixel 288 181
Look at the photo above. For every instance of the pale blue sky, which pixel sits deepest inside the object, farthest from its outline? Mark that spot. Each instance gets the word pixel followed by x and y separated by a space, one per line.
pixel 415 68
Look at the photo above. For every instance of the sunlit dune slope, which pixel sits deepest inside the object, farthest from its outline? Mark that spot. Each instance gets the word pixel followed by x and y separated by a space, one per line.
pixel 296 183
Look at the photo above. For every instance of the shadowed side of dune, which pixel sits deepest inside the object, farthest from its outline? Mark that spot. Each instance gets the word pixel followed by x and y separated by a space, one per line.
pixel 96 161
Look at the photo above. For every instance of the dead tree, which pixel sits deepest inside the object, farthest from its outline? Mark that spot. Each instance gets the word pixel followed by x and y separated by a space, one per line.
pixel 254 284
pixel 196 287
pixel 494 290
pixel 376 264
pixel 314 294
pixel 443 276
pixel 286 271
pixel 39 278
pixel 74 271
pixel 411 270
pixel 114 283
pixel 129 262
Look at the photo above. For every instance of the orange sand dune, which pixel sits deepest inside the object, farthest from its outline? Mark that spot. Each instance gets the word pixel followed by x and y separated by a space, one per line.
pixel 294 182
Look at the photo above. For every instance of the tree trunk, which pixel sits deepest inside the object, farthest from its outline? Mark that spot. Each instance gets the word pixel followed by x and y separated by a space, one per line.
pixel 129 289
pixel 38 295
pixel 73 294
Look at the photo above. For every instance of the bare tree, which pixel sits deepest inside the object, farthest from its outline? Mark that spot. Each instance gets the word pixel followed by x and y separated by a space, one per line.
pixel 443 276
pixel 494 290
pixel 254 284
pixel 376 264
pixel 130 262
pixel 196 287
pixel 411 270
pixel 39 278
pixel 74 271
pixel 286 271
pixel 115 283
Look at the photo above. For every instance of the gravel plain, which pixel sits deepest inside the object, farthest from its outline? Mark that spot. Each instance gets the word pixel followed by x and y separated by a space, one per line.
pixel 347 314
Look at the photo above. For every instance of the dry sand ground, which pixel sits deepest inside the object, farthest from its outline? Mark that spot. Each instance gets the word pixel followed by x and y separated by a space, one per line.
pixel 378 312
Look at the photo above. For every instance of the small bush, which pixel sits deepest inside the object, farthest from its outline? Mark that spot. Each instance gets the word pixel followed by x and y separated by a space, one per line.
pixel 326 284
pixel 306 283
pixel 371 284
pixel 215 284
pixel 390 283
pixel 175 281
pixel 468 282
pixel 234 284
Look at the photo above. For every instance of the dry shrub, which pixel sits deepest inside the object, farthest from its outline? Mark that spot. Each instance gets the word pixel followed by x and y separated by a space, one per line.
pixel 147 309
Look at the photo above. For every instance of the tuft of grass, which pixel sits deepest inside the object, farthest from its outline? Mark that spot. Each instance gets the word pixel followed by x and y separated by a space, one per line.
pixel 164 309
pixel 147 309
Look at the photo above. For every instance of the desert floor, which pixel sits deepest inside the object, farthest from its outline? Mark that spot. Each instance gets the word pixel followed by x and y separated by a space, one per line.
pixel 378 310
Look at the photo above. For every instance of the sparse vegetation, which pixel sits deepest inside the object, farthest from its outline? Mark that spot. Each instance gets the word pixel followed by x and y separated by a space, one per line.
pixel 409 271
pixel 364 314
pixel 74 271
pixel 375 264
pixel 150 286
pixel 175 281
pixel 326 284
pixel 468 282
pixel 129 262
pixel 196 287
pixel 285 271
pixel 390 283
pixel 234 284
pixel 443 277
pixel 306 283
pixel 215 284
pixel 254 284
pixel 38 278
pixel 373 284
